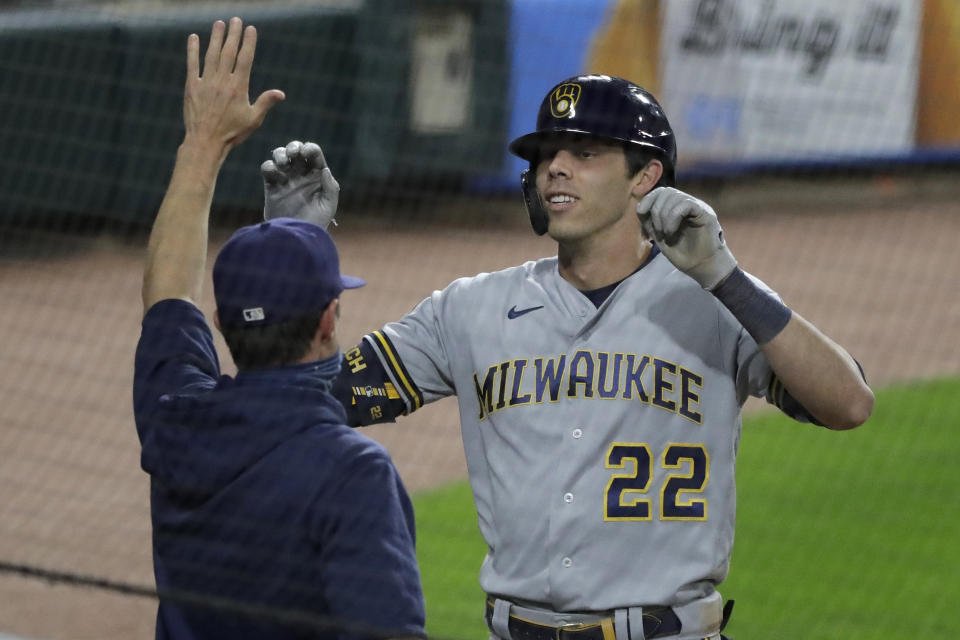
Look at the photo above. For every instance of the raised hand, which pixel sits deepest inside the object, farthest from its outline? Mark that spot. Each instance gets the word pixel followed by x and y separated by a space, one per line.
pixel 297 183
pixel 218 116
pixel 216 104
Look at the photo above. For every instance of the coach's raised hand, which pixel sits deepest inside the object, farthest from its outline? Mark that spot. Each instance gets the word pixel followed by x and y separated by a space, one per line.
pixel 216 104
pixel 217 116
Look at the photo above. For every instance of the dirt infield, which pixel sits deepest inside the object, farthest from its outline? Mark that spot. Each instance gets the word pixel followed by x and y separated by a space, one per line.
pixel 880 280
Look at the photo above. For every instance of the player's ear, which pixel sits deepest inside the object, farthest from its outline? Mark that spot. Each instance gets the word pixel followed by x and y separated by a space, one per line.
pixel 646 178
pixel 216 320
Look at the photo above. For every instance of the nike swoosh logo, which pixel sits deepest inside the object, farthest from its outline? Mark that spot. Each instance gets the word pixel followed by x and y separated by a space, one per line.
pixel 512 314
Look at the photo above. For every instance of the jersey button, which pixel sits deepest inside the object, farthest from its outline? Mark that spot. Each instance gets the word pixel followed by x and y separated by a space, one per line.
pixel 577 433
pixel 568 497
pixel 567 563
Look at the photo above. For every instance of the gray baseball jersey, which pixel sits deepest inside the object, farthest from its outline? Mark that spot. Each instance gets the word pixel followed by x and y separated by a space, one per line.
pixel 600 442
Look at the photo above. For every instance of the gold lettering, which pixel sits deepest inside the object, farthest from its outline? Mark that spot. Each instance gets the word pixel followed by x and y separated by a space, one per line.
pixel 355 360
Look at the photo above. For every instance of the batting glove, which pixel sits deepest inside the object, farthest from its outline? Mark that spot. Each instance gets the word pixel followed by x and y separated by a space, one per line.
pixel 297 183
pixel 688 233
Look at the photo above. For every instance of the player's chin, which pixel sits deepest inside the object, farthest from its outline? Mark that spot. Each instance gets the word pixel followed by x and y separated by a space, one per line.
pixel 558 219
pixel 563 231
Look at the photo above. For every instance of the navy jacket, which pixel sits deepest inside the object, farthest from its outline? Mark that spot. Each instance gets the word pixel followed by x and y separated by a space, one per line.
pixel 262 501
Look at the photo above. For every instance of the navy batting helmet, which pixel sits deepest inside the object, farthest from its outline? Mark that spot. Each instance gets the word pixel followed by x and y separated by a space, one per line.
pixel 601 106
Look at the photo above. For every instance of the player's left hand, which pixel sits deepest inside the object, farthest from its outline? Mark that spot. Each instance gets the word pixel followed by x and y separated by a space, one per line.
pixel 297 183
pixel 688 233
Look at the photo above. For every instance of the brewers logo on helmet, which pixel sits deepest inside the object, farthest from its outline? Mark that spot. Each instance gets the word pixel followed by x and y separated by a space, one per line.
pixel 563 99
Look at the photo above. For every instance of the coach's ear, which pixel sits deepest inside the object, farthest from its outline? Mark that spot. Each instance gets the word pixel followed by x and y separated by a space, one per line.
pixel 327 330
pixel 646 179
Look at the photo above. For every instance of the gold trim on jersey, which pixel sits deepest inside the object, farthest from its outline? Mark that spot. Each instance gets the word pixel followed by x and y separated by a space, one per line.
pixel 386 348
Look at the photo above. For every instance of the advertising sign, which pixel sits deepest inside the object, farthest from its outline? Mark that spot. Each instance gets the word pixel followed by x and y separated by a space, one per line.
pixel 790 79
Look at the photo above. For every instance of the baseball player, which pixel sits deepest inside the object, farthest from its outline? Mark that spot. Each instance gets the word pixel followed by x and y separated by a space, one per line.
pixel 271 517
pixel 600 390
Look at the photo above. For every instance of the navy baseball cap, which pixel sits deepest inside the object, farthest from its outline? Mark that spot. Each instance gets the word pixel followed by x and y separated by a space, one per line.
pixel 275 271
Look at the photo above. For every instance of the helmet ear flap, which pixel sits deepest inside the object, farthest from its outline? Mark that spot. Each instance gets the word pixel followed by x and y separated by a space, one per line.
pixel 531 198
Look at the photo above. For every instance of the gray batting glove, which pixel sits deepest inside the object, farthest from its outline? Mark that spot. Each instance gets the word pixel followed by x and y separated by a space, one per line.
pixel 297 183
pixel 688 233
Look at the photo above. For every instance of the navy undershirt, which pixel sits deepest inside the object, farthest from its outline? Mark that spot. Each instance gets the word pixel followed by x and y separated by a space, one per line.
pixel 597 296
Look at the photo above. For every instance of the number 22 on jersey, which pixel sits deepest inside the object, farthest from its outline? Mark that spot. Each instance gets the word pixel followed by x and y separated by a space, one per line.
pixel 626 498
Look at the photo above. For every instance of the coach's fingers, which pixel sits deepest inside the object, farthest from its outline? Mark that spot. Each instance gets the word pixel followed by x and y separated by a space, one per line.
pixel 267 100
pixel 193 57
pixel 272 175
pixel 228 54
pixel 247 51
pixel 212 57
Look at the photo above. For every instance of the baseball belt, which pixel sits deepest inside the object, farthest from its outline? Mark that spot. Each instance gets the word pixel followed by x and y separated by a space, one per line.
pixel 658 622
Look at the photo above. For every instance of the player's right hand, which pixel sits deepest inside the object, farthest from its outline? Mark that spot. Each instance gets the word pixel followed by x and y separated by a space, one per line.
pixel 297 183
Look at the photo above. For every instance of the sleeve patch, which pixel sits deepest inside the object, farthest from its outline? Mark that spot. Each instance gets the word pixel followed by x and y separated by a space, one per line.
pixel 366 386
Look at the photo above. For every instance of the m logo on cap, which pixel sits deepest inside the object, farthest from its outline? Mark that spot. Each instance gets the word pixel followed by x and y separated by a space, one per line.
pixel 564 99
pixel 253 315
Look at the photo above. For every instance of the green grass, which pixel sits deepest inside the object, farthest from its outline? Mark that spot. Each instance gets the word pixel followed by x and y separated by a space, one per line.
pixel 850 535
pixel 450 550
